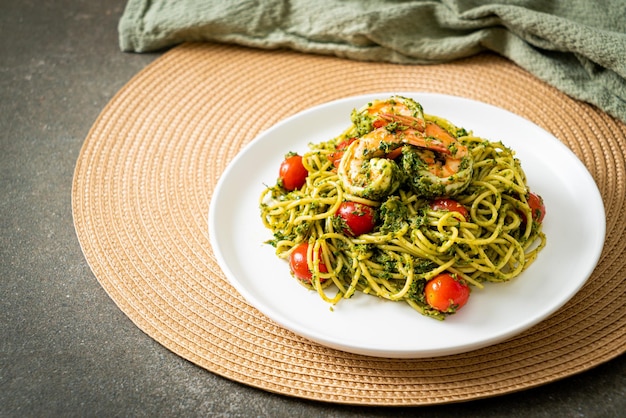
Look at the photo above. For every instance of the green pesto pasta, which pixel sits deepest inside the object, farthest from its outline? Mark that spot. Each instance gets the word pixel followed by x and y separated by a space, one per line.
pixel 494 239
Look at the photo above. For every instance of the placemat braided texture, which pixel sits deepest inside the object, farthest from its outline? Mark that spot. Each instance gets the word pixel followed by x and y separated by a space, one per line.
pixel 149 165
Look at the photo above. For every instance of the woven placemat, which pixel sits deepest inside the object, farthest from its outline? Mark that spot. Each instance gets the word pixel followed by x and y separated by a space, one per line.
pixel 150 163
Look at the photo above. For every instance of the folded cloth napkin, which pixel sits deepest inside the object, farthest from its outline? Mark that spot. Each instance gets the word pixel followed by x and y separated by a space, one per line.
pixel 578 46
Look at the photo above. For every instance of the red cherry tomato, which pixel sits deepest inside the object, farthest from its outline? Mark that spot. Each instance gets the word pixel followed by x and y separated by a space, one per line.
pixel 537 207
pixel 292 173
pixel 446 293
pixel 335 157
pixel 299 265
pixel 359 218
pixel 449 205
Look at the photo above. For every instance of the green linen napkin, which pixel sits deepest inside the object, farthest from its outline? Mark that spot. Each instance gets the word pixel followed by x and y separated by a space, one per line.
pixel 578 46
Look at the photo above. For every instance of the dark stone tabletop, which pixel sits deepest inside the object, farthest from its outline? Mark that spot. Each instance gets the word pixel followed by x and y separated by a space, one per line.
pixel 65 347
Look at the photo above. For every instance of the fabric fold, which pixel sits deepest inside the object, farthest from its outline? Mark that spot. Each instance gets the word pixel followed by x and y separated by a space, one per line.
pixel 577 46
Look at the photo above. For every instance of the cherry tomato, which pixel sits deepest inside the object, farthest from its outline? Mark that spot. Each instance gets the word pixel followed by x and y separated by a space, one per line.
pixel 446 293
pixel 359 218
pixel 449 205
pixel 299 265
pixel 335 157
pixel 537 207
pixel 292 173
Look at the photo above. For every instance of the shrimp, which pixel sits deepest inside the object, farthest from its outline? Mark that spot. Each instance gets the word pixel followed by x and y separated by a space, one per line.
pixel 434 163
pixel 364 169
pixel 377 114
pixel 396 110
pixel 441 170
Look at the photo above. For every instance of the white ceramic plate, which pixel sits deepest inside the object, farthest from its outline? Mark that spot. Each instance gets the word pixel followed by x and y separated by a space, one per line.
pixel 574 225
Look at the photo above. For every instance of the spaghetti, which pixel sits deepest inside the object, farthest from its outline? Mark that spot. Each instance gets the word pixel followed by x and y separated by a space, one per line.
pixel 412 241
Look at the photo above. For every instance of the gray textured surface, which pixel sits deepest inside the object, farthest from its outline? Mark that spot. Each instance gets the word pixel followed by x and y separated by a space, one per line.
pixel 65 348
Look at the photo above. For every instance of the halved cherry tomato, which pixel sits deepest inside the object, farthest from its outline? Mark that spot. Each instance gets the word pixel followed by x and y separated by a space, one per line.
pixel 359 218
pixel 446 293
pixel 335 157
pixel 449 205
pixel 292 173
pixel 299 265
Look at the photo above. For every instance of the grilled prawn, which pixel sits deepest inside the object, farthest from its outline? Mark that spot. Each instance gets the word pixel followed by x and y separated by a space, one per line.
pixel 434 163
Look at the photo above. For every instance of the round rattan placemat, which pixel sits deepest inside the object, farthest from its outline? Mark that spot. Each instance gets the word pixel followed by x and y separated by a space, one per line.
pixel 149 165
